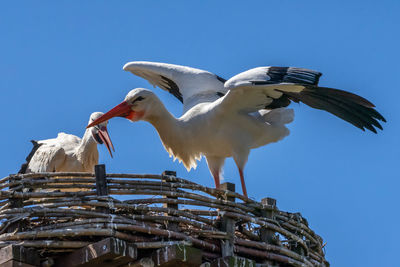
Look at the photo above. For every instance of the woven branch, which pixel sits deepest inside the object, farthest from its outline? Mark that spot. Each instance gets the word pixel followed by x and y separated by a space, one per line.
pixel 56 220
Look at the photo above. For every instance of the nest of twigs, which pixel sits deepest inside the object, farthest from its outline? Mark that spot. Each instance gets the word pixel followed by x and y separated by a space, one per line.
pixel 57 213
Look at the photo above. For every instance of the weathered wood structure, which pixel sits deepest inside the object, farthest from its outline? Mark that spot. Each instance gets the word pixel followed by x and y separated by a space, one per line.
pixel 100 219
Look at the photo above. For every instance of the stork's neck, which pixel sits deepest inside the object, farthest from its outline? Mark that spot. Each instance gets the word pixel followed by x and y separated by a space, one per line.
pixel 87 152
pixel 175 135
pixel 164 122
pixel 168 127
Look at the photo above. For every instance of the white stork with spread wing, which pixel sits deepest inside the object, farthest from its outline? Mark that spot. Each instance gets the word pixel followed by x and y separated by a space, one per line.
pixel 228 118
pixel 67 152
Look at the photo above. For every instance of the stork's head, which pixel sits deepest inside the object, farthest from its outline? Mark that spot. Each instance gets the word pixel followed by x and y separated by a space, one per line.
pixel 139 104
pixel 99 132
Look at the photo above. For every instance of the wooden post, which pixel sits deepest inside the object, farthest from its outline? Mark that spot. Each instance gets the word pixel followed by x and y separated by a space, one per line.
pixel 101 180
pixel 228 187
pixel 107 252
pixel 101 184
pixel 228 225
pixel 177 255
pixel 172 226
pixel 169 173
pixel 14 255
pixel 269 205
pixel 15 203
pixel 266 235
pixel 236 262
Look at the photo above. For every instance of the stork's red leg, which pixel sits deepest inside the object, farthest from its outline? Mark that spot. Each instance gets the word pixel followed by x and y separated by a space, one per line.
pixel 216 179
pixel 243 183
pixel 215 164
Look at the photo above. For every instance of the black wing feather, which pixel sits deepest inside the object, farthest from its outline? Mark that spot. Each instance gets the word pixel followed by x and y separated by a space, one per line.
pixel 219 78
pixel 24 166
pixel 279 75
pixel 347 106
pixel 171 87
pixel 281 102
pixel 293 75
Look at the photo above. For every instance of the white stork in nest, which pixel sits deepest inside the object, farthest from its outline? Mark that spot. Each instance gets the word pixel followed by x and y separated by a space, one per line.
pixel 67 152
pixel 227 118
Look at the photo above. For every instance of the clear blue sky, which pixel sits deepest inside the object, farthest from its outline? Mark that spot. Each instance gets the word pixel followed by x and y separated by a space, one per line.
pixel 62 60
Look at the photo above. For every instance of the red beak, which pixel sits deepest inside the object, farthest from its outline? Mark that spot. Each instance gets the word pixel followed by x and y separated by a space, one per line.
pixel 121 110
pixel 103 134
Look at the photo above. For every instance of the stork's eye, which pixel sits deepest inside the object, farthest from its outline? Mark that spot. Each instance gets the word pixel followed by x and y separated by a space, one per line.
pixel 140 98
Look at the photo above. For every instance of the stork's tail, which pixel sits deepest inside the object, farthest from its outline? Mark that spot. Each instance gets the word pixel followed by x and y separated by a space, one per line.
pixel 24 166
pixel 347 106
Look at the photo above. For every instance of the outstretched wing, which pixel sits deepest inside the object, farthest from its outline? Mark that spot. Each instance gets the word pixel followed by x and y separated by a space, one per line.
pixel 274 87
pixel 191 86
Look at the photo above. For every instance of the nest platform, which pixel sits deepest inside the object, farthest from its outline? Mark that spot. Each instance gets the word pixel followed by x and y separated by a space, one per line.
pixel 109 219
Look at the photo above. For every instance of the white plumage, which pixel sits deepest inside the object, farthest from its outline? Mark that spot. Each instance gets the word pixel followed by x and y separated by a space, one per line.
pixel 181 81
pixel 228 118
pixel 67 152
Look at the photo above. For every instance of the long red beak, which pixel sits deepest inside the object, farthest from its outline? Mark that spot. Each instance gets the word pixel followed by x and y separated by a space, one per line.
pixel 103 134
pixel 121 110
